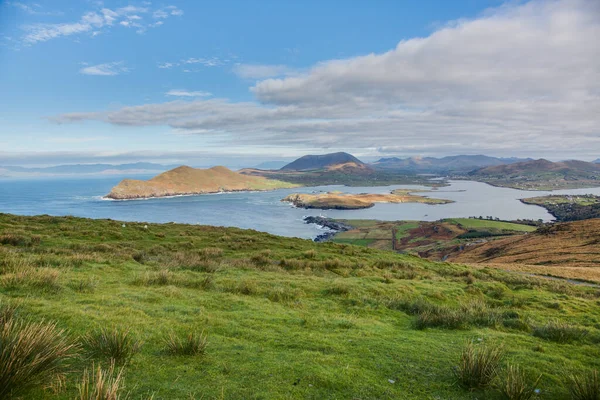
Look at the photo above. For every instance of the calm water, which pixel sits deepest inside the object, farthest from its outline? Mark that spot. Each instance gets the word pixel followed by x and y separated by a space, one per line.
pixel 262 211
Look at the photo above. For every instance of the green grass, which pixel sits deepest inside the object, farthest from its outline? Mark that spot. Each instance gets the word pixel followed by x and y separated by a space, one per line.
pixel 402 229
pixel 474 223
pixel 285 318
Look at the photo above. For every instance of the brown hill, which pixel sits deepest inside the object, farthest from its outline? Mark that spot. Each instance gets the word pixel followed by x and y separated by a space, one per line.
pixel 570 250
pixel 185 180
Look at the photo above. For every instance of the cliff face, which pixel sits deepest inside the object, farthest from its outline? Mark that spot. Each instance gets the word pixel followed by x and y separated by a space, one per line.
pixel 186 180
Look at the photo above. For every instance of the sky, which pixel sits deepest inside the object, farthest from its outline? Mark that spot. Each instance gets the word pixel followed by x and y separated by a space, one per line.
pixel 240 82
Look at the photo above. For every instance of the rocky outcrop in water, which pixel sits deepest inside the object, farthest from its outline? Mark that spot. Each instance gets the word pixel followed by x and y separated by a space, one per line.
pixel 334 225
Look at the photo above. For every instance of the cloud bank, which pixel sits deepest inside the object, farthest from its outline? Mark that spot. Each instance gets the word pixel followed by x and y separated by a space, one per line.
pixel 521 76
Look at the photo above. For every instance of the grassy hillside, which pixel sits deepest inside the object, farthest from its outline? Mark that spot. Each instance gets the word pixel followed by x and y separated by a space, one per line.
pixel 570 250
pixel 284 318
pixel 187 180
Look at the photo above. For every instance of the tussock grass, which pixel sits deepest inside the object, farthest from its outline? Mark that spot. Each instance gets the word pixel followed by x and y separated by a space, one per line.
pixel 559 332
pixel 585 386
pixel 31 354
pixel 86 285
pixel 479 365
pixel 516 385
pixel 116 345
pixel 45 279
pixel 98 383
pixel 430 315
pixel 19 240
pixel 192 344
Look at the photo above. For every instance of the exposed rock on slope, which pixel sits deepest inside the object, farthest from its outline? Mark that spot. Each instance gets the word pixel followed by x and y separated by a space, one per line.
pixel 186 180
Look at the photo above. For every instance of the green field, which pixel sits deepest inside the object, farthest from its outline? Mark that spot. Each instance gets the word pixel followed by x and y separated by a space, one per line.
pixel 285 318
pixel 474 223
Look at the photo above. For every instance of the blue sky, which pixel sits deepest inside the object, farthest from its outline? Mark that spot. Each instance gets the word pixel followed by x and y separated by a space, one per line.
pixel 202 82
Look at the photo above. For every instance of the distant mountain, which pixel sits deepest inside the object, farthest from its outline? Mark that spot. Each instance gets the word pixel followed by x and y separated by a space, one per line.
pixel 541 174
pixel 341 161
pixel 450 164
pixel 270 165
pixel 74 169
pixel 185 180
pixel 570 167
pixel 596 161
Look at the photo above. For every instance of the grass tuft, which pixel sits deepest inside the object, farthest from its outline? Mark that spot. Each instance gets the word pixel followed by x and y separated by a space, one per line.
pixel 479 365
pixel 585 386
pixel 516 385
pixel 116 345
pixel 560 332
pixel 31 354
pixel 101 384
pixel 193 344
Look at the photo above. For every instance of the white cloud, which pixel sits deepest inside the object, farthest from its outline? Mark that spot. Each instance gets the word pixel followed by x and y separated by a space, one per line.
pixel 524 77
pixel 166 65
pixel 33 9
pixel 261 71
pixel 107 69
pixel 187 93
pixel 92 21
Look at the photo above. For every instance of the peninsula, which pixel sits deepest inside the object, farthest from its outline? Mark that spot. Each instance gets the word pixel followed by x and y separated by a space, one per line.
pixel 347 201
pixel 185 180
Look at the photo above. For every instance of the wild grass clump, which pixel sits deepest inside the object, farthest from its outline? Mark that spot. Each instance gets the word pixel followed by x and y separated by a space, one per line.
pixel 431 315
pixel 516 385
pixel 560 332
pixel 192 344
pixel 283 294
pixel 45 279
pixel 440 317
pixel 211 252
pixel 31 354
pixel 112 344
pixel 338 289
pixel 19 240
pixel 479 365
pixel 101 384
pixel 8 311
pixel 585 386
pixel 160 278
pixel 87 285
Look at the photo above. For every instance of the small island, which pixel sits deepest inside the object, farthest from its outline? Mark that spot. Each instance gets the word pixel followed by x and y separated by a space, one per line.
pixel 185 180
pixel 348 201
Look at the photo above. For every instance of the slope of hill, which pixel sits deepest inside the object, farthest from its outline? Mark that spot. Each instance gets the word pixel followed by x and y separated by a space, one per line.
pixel 540 175
pixel 284 317
pixel 325 161
pixel 186 180
pixel 450 164
pixel 569 250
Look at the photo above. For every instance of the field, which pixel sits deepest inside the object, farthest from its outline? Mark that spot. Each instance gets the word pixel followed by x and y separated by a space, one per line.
pixel 284 318
pixel 433 240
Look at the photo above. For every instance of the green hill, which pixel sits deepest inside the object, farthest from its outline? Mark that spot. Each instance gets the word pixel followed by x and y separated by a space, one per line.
pixel 285 318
